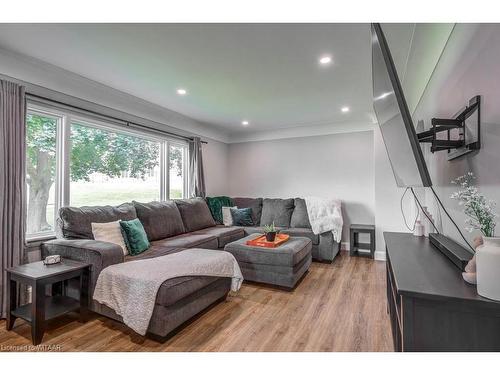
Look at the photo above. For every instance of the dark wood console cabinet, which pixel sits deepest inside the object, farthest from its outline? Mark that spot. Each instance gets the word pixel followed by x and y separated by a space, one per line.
pixel 431 308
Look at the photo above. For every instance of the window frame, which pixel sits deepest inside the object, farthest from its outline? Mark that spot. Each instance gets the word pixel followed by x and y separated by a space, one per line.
pixel 63 149
pixel 185 167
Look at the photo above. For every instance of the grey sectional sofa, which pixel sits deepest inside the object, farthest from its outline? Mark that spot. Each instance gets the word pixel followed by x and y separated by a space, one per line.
pixel 173 226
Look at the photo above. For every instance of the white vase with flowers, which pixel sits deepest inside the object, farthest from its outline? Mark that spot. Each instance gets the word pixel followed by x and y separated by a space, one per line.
pixel 481 216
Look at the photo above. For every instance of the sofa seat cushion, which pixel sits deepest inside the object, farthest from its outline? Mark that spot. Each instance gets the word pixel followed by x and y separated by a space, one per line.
pixel 302 232
pixel 76 222
pixel 188 240
pixel 254 203
pixel 154 251
pixel 277 211
pixel 195 214
pixel 160 219
pixel 287 255
pixel 300 217
pixel 223 234
pixel 260 230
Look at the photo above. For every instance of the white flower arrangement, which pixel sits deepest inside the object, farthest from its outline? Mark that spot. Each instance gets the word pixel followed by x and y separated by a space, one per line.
pixel 480 212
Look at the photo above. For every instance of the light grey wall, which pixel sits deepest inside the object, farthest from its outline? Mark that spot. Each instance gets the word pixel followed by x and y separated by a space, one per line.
pixel 338 165
pixel 469 65
pixel 387 195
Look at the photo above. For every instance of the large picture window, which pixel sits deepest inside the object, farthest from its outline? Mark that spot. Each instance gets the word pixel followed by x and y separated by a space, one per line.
pixel 108 167
pixel 72 160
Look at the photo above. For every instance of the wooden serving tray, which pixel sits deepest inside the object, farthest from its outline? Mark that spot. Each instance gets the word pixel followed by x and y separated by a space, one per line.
pixel 262 242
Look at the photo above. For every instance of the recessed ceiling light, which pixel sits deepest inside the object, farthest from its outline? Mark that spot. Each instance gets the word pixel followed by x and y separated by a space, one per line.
pixel 181 91
pixel 245 123
pixel 345 109
pixel 383 95
pixel 325 60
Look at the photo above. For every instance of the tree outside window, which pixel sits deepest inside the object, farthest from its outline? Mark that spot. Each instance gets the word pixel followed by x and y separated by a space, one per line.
pixel 40 168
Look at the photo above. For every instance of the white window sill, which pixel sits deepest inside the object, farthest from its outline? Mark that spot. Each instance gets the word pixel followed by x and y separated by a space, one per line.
pixel 40 237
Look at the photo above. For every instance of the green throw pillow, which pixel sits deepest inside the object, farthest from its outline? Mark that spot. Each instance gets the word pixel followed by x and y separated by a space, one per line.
pixel 136 238
pixel 215 205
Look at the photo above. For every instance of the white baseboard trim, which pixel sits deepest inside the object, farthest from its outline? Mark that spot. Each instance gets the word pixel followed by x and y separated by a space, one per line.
pixel 379 254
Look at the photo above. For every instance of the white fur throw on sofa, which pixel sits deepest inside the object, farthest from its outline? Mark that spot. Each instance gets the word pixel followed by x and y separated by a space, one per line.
pixel 325 215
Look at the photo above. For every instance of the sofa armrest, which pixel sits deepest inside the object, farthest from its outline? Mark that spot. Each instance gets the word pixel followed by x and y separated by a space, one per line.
pixel 99 254
pixel 328 248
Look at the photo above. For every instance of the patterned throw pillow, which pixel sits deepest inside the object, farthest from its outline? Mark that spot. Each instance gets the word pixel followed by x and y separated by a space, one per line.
pixel 109 232
pixel 227 218
pixel 136 237
pixel 242 217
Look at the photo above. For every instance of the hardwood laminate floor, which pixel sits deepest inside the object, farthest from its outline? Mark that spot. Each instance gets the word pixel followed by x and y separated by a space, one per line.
pixel 336 307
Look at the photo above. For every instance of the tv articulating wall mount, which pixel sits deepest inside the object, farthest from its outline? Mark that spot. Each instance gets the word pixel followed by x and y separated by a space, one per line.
pixel 463 133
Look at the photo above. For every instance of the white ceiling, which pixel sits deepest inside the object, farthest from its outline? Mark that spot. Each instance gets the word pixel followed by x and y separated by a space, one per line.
pixel 265 73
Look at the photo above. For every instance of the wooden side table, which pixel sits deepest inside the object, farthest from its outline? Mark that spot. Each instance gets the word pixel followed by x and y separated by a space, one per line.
pixel 43 307
pixel 355 245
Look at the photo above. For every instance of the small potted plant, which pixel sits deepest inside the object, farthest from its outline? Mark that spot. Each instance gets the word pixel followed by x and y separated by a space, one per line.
pixel 481 216
pixel 270 232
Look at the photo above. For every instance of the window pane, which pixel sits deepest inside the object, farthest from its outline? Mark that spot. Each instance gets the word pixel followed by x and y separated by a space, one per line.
pixel 41 170
pixel 110 168
pixel 176 172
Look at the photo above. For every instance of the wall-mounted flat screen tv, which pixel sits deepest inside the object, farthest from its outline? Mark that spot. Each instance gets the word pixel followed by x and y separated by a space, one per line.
pixel 394 119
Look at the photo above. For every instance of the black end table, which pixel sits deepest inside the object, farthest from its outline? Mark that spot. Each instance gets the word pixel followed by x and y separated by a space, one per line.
pixel 355 245
pixel 43 307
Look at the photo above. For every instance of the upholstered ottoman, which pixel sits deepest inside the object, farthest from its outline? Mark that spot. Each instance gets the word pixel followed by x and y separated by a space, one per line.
pixel 282 266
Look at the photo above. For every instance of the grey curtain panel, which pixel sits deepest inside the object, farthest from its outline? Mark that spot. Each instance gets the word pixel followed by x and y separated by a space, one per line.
pixel 12 181
pixel 196 173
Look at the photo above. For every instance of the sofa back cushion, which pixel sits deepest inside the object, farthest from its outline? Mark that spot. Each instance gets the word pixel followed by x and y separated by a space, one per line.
pixel 300 218
pixel 278 211
pixel 195 214
pixel 160 219
pixel 254 203
pixel 76 222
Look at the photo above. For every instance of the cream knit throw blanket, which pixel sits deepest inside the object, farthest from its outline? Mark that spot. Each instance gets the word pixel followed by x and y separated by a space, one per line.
pixel 130 288
pixel 325 215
